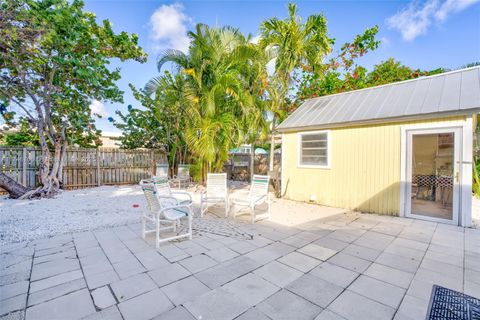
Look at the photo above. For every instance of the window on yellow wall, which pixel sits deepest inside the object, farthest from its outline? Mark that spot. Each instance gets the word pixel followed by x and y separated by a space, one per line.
pixel 314 149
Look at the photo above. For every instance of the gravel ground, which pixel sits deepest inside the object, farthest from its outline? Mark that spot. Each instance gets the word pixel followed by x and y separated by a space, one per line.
pixel 71 211
pixel 107 206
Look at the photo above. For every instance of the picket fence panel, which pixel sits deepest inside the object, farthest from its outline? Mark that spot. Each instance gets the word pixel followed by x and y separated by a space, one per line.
pixel 83 167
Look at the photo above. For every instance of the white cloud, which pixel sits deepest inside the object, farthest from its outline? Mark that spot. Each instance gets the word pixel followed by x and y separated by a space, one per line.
pixel 416 18
pixel 452 6
pixel 97 108
pixel 413 20
pixel 169 25
pixel 255 39
pixel 385 42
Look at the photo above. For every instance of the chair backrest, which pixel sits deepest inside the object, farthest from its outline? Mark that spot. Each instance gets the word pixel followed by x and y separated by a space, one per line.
pixel 150 192
pixel 162 171
pixel 183 171
pixel 155 200
pixel 162 186
pixel 217 185
pixel 259 186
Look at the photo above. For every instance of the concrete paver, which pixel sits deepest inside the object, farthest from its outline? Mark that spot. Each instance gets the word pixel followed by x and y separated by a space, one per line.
pixel 352 266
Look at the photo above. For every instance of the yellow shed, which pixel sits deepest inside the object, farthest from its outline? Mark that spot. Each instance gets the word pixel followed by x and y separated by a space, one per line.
pixel 399 149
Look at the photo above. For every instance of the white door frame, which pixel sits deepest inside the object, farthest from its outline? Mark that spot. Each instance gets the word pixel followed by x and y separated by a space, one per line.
pixel 464 166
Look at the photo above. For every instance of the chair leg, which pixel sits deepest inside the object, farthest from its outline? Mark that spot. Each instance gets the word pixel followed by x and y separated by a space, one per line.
pixel 269 211
pixel 190 227
pixel 227 207
pixel 231 211
pixel 143 227
pixel 252 213
pixel 157 233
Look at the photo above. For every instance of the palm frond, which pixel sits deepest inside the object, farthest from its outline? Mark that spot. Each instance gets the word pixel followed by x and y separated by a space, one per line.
pixel 177 57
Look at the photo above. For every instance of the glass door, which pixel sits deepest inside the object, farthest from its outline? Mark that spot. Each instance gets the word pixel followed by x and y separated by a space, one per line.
pixel 433 174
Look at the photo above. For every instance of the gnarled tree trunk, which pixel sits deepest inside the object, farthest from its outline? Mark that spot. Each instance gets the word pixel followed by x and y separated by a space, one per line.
pixel 14 189
pixel 50 175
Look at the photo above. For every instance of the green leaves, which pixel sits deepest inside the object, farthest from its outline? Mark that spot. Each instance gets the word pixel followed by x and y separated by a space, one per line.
pixel 222 77
pixel 298 45
pixel 356 77
pixel 55 62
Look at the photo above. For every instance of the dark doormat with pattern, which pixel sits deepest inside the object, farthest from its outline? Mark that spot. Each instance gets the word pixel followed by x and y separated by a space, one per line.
pixel 446 304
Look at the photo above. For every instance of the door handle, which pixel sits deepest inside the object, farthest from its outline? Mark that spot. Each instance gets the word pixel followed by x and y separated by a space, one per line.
pixel 457 177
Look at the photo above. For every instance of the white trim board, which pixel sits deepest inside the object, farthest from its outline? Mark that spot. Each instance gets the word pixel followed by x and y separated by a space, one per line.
pixel 465 194
pixel 299 150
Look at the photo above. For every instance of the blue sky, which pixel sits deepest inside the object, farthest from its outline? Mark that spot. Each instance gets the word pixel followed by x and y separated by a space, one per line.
pixel 421 34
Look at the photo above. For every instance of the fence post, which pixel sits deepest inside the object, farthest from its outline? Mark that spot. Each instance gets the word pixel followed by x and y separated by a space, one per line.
pixel 24 167
pixel 98 168
pixel 153 164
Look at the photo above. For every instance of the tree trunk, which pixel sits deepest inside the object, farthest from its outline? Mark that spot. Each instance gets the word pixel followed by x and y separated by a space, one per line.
pixel 276 179
pixel 44 166
pixel 63 155
pixel 14 189
pixel 50 177
pixel 272 145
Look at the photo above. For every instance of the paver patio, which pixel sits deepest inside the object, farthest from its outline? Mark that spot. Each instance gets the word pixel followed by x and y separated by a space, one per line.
pixel 351 266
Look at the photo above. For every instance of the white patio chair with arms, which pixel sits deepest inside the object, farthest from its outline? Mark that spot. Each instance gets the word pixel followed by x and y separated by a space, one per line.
pixel 166 210
pixel 162 171
pixel 163 189
pixel 183 175
pixel 215 193
pixel 257 195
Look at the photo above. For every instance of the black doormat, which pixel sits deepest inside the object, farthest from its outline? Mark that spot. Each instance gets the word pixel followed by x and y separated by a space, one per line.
pixel 446 304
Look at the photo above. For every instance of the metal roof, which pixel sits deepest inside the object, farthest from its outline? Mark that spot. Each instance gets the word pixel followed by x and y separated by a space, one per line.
pixel 455 92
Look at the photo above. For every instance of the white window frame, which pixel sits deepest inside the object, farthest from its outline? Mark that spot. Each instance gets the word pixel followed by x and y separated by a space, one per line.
pixel 299 150
pixel 465 205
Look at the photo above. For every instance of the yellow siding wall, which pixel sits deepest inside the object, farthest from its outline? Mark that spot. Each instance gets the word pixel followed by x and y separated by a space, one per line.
pixel 364 171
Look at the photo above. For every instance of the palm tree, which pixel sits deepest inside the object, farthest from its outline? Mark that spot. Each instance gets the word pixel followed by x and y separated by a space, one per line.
pixel 295 45
pixel 256 81
pixel 216 92
pixel 168 91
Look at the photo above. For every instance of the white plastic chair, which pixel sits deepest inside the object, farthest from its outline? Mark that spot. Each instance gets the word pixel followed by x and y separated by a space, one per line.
pixel 257 195
pixel 215 193
pixel 183 175
pixel 162 171
pixel 163 189
pixel 164 210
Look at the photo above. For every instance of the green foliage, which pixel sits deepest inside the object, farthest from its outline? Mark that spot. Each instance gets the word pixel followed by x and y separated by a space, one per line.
pixel 55 60
pixel 140 128
pixel 334 81
pixel 196 170
pixel 476 178
pixel 160 123
pixel 296 44
pixel 393 71
pixel 350 51
pixel 341 73
pixel 217 94
pixel 20 135
pixel 471 64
